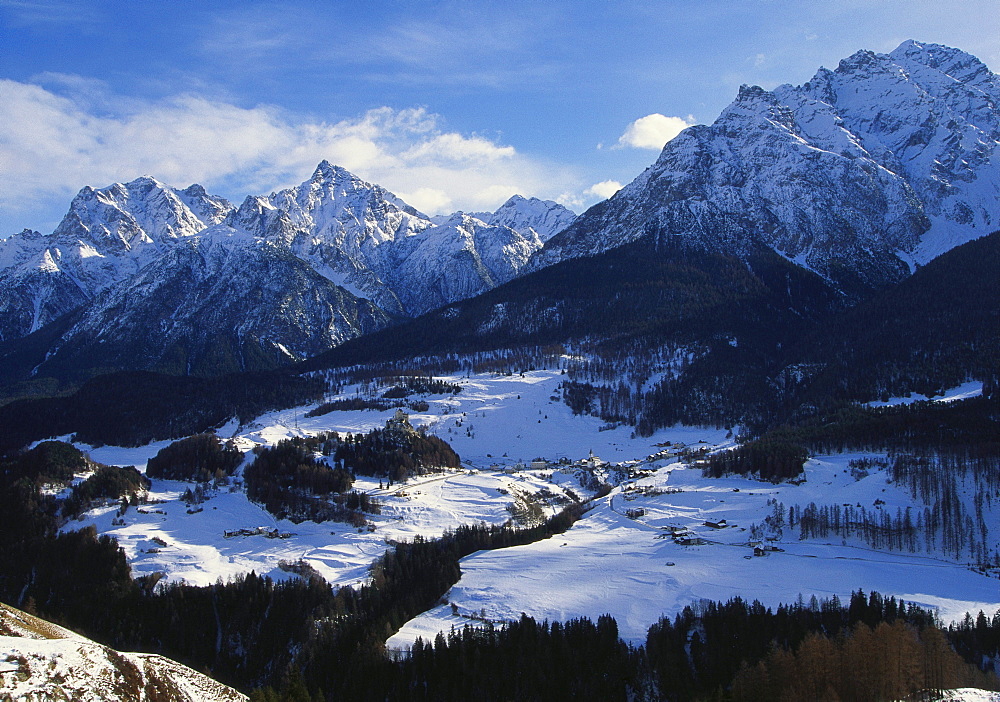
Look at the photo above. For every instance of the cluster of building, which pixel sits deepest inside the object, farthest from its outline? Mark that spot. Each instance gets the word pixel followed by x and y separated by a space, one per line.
pixel 258 531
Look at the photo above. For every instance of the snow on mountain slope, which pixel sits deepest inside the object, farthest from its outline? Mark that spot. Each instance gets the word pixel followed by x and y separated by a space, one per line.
pixel 126 252
pixel 543 218
pixel 973 388
pixel 33 289
pixel 142 213
pixel 220 302
pixel 108 235
pixel 884 162
pixel 41 661
pixel 404 261
pixel 459 259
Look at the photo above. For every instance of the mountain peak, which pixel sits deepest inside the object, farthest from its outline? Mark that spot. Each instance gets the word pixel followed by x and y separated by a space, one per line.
pixel 143 186
pixel 752 102
pixel 859 60
pixel 955 63
pixel 514 200
pixel 886 161
pixel 932 53
pixel 543 218
pixel 751 92
pixel 145 180
pixel 327 171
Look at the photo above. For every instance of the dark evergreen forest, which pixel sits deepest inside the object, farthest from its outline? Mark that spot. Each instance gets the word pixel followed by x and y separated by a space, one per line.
pixel 292 482
pixel 199 458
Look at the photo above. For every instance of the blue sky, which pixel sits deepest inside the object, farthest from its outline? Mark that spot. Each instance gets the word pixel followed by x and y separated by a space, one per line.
pixel 452 105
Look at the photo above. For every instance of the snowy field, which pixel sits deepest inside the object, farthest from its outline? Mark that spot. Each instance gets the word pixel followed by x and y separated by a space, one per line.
pixel 609 562
pixel 192 547
pixel 495 422
pixel 630 568
pixel 964 391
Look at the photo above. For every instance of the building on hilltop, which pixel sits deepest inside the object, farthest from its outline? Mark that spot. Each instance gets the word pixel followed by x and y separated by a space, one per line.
pixel 400 422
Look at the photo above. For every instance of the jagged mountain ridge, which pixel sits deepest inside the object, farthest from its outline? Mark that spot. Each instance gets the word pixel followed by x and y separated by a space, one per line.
pixel 108 235
pixel 368 240
pixel 179 280
pixel 859 174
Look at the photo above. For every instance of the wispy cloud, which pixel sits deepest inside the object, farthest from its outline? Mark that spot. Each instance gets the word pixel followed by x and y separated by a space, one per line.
pixel 51 144
pixel 444 44
pixel 27 12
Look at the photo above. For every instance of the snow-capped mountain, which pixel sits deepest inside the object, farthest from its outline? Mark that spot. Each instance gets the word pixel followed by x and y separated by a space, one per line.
pixel 860 173
pixel 108 235
pixel 182 280
pixel 543 218
pixel 366 239
pixel 222 302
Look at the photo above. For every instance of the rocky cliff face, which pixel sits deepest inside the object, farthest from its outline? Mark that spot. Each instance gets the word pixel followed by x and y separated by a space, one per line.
pixel 107 236
pixel 859 174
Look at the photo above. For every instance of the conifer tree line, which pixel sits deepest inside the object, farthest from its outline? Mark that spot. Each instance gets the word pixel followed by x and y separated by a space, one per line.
pixel 372 376
pixel 871 649
pixel 766 459
pixel 395 455
pixel 406 385
pixel 291 482
pixel 309 478
pixel 889 662
pixel 136 408
pixel 199 458
pixel 107 483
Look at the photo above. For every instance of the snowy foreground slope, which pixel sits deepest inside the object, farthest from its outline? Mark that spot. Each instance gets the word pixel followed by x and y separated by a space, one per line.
pixel 41 661
pixel 609 562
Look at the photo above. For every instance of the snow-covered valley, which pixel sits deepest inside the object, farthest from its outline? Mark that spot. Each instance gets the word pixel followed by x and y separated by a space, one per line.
pixel 664 537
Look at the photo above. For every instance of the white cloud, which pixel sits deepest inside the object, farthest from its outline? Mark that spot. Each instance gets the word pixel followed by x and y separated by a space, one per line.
pixel 652 131
pixel 428 200
pixel 53 144
pixel 455 148
pixel 604 189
